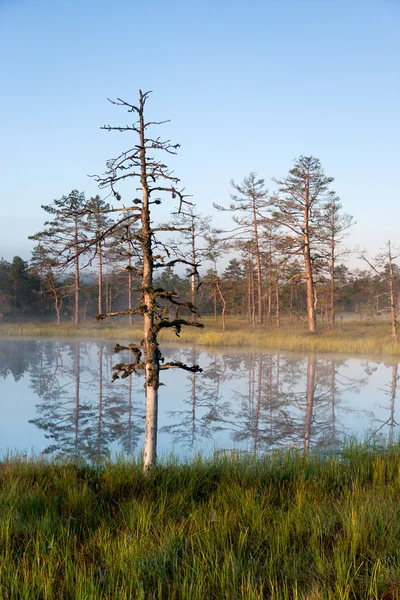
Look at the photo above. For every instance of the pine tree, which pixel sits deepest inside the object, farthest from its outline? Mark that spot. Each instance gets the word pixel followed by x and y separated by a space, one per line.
pixel 65 237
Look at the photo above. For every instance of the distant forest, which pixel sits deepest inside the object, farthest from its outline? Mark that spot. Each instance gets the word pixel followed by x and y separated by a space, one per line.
pixel 263 280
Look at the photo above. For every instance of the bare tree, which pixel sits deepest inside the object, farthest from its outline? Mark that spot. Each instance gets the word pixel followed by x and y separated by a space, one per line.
pixel 383 265
pixel 154 304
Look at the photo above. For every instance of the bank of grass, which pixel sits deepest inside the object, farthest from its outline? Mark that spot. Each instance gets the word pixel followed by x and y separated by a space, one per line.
pixel 350 337
pixel 281 527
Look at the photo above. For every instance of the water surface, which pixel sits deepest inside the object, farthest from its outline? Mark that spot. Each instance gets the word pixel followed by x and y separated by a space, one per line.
pixel 57 398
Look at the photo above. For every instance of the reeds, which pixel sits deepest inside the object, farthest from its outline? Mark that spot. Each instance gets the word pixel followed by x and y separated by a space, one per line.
pixel 281 527
pixel 354 337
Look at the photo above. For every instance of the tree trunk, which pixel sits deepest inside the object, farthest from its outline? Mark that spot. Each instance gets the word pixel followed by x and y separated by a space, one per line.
pixel 332 317
pixel 249 311
pixel 150 346
pixel 258 263
pixel 99 279
pixel 253 304
pixel 277 308
pixel 76 282
pixel 129 275
pixel 311 298
pixel 310 288
pixel 192 277
pixel 391 296
pixel 223 302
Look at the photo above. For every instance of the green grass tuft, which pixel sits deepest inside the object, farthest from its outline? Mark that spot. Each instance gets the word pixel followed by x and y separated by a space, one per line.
pixel 282 527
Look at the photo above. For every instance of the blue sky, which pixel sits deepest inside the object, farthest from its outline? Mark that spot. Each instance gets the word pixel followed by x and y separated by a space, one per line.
pixel 249 85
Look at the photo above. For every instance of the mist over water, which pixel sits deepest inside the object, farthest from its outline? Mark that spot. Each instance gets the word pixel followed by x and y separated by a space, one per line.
pixel 57 399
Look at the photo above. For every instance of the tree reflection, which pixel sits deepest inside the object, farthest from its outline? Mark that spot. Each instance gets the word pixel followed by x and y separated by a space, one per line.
pixel 64 416
pixel 253 401
pixel 389 390
pixel 204 411
pixel 16 357
pixel 79 412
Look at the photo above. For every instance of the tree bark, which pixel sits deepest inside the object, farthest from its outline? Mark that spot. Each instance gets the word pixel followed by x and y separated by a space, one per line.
pixel 76 282
pixel 99 279
pixel 192 277
pixel 391 296
pixel 223 302
pixel 277 308
pixel 332 316
pixel 150 346
pixel 129 275
pixel 310 287
pixel 258 263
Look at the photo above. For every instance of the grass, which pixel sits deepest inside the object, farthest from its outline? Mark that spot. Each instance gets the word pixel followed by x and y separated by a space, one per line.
pixel 281 527
pixel 353 337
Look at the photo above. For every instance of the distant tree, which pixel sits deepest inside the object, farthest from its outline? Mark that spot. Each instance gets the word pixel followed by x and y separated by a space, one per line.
pixel 335 225
pixel 250 205
pixel 38 265
pixel 298 205
pixel 385 268
pixel 65 236
pixel 212 252
pixel 234 278
pixel 23 285
pixel 42 264
pixel 98 224
pixel 193 229
pixel 6 301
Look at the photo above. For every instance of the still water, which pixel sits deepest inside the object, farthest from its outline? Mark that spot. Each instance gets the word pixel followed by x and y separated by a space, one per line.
pixel 57 398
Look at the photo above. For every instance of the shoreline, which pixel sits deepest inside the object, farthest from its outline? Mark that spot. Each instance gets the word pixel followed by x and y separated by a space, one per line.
pixel 354 337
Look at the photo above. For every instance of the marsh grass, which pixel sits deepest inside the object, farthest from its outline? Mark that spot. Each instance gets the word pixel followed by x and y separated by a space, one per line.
pixel 353 337
pixel 281 527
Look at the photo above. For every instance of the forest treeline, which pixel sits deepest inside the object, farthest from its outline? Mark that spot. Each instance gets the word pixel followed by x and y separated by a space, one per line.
pixel 263 279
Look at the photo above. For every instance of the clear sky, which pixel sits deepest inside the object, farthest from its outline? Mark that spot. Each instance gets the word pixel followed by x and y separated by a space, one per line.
pixel 249 85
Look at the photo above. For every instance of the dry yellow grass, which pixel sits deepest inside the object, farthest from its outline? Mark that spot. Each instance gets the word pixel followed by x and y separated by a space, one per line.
pixel 353 337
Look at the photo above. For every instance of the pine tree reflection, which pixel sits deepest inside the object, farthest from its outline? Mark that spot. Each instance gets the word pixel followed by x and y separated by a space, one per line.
pixel 333 389
pixel 206 412
pixel 252 401
pixel 263 417
pixel 80 423
pixel 390 423
pixel 64 415
pixel 292 401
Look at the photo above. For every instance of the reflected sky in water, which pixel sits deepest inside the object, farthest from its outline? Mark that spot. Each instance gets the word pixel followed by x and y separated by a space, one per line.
pixel 57 398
